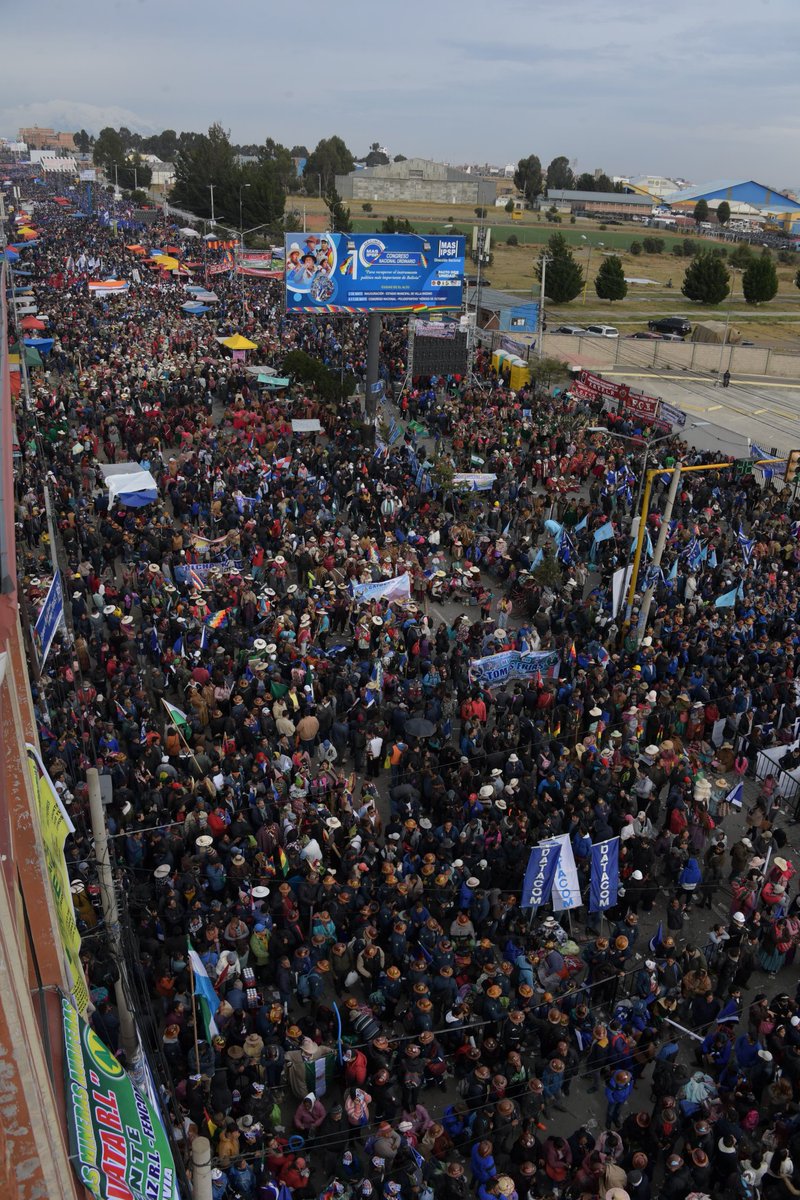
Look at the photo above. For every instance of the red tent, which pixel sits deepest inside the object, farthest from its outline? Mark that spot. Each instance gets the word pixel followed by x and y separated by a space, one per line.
pixel 32 323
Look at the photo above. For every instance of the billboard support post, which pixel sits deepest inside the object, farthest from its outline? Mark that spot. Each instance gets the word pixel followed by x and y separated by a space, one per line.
pixel 373 362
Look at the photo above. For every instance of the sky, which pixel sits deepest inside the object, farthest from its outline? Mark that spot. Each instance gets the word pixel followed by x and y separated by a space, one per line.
pixel 680 89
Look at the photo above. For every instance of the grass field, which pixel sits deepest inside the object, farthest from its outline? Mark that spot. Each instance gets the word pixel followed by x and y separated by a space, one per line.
pixel 512 269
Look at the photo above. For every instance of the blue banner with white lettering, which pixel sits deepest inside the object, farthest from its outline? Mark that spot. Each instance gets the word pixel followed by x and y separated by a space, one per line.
pixel 497 669
pixel 604 884
pixel 539 876
pixel 49 619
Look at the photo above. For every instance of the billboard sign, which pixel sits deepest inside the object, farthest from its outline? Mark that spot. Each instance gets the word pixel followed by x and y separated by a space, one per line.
pixel 362 273
pixel 120 1150
pixel 262 264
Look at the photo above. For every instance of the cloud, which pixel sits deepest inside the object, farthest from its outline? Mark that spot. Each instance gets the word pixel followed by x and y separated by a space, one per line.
pixel 71 115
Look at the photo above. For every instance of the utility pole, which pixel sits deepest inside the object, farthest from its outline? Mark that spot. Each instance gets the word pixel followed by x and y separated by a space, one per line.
pixel 647 599
pixel 373 364
pixel 211 188
pixel 201 1169
pixel 108 898
pixel 540 348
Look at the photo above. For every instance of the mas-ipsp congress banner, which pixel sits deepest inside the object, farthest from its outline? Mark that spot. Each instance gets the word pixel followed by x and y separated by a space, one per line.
pixel 497 669
pixel 355 273
pixel 604 883
pixel 118 1145
pixel 398 588
pixel 55 824
pixel 49 618
pixel 539 876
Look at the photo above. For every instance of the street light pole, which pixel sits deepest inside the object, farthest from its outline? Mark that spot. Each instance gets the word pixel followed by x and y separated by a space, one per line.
pixel 211 188
pixel 727 324
pixel 241 222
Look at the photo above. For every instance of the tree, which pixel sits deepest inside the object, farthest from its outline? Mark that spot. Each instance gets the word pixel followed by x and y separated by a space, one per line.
pixel 399 158
pixel 585 182
pixel 740 256
pixel 202 160
pixel 509 205
pixel 604 183
pixel 547 372
pixel 338 215
pixel 480 213
pixel 610 279
pixel 299 151
pixel 397 225
pixel 559 174
pixel 366 207
pixel 134 173
pixel 83 141
pixel 548 572
pixel 700 213
pixel 723 212
pixel 563 278
pixel 376 158
pixel 528 178
pixel 109 150
pixel 706 279
pixel 760 280
pixel 329 158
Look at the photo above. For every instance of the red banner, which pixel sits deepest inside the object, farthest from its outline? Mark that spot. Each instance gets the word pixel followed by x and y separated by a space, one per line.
pixel 640 405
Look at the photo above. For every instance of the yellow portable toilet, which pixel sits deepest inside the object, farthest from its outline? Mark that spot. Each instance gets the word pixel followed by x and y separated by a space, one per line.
pixel 499 360
pixel 520 373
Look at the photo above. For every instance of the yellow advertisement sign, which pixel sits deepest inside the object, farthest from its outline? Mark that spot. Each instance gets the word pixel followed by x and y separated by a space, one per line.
pixel 55 826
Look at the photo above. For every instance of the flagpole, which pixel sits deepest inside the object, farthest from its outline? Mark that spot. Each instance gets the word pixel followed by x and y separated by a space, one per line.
pixel 194 1014
pixel 180 735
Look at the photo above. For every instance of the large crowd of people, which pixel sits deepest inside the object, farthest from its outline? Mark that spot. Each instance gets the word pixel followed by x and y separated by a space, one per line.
pixel 311 791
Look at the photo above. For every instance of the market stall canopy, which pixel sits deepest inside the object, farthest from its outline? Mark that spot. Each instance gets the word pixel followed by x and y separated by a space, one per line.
pixel 136 249
pixel 43 345
pixel 188 232
pixel 196 310
pixel 32 323
pixel 311 425
pixel 261 369
pixel 204 297
pixel 273 381
pixel 237 342
pixel 130 483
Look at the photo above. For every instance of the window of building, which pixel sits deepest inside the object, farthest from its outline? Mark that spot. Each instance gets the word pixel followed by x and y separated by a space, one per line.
pixel 416 175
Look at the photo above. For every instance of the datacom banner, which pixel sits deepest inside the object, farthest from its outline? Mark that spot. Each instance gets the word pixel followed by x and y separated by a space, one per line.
pixel 364 272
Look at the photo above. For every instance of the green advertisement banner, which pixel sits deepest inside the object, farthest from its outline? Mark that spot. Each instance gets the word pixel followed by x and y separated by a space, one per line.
pixel 117 1142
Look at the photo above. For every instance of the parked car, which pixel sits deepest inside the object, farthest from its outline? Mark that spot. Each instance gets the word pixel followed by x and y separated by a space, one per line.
pixel 606 331
pixel 571 330
pixel 678 325
pixel 646 335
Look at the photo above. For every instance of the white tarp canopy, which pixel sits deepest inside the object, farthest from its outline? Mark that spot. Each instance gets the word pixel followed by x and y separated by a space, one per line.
pixel 309 426
pixel 134 485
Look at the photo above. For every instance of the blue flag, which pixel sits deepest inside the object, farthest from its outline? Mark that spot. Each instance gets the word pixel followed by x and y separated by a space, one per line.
pixel 727 599
pixel 736 795
pixel 712 558
pixel 657 938
pixel 604 883
pixel 539 876
pixel 673 574
pixel 581 525
pixel 745 545
pixel 605 533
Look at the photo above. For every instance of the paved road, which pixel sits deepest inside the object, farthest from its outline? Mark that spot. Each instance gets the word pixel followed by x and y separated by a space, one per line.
pixel 766 411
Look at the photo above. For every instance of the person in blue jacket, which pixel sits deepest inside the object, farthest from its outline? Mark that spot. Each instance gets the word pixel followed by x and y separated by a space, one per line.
pixel 618 1089
pixel 482 1162
pixel 689 880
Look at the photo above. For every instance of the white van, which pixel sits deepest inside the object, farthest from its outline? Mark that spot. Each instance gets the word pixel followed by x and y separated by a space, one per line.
pixel 606 331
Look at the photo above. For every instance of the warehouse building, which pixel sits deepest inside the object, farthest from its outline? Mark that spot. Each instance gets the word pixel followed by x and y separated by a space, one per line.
pixel 417 179
pixel 748 200
pixel 605 204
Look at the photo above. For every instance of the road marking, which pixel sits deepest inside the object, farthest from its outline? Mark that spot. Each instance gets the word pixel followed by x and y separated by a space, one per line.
pixel 758 411
pixel 713 407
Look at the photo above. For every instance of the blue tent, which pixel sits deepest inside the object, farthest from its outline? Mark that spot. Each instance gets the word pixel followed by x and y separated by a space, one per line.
pixel 43 345
pixel 195 310
pixel 11 254
pixel 130 483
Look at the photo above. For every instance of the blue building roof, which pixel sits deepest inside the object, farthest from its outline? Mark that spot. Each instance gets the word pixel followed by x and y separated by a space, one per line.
pixel 745 191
